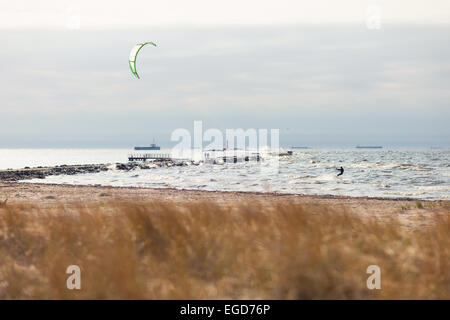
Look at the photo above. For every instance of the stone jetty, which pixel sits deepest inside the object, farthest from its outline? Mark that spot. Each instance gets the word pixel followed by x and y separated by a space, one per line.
pixel 42 172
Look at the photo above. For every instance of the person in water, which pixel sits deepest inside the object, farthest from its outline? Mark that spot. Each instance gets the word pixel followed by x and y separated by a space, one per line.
pixel 341 171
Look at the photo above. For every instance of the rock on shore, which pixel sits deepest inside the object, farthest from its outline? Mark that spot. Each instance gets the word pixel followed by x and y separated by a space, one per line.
pixel 42 172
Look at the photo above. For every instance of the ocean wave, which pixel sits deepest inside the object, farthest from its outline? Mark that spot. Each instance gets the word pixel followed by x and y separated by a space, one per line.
pixel 395 173
pixel 434 188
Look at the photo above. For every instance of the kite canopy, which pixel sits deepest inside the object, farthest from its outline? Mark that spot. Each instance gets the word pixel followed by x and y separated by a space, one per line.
pixel 133 56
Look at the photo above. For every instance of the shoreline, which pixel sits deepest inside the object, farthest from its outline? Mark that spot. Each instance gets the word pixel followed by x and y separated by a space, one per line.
pixel 253 193
pixel 411 213
pixel 18 175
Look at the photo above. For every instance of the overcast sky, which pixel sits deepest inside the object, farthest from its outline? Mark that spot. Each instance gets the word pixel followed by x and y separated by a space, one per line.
pixel 315 71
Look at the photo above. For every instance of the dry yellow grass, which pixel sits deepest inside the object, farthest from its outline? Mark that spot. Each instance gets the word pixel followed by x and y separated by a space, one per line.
pixel 202 251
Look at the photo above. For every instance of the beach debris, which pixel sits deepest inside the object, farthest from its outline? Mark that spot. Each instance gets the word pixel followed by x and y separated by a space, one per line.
pixel 133 56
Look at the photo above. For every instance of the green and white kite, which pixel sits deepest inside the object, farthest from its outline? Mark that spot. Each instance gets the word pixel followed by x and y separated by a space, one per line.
pixel 133 56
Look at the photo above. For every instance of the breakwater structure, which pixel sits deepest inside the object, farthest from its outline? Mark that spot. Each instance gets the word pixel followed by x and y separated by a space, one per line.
pixel 149 156
pixel 135 161
pixel 233 159
pixel 207 157
pixel 210 156
pixel 42 172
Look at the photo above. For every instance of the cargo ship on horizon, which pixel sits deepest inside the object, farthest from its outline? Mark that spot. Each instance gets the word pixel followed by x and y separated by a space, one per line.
pixel 369 147
pixel 152 146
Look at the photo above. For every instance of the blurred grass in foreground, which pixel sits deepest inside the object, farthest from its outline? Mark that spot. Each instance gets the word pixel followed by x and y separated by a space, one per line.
pixel 203 251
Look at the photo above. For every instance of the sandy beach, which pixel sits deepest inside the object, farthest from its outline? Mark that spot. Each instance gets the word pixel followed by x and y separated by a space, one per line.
pixel 410 212
pixel 150 243
pixel 136 243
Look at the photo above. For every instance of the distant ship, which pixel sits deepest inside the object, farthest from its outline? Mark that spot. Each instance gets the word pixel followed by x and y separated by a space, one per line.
pixel 152 147
pixel 299 147
pixel 369 147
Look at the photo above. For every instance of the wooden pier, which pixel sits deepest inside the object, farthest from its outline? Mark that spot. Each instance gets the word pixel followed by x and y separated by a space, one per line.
pixel 246 158
pixel 232 158
pixel 149 156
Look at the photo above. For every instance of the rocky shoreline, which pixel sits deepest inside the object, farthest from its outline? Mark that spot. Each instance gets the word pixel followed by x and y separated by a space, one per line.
pixel 42 172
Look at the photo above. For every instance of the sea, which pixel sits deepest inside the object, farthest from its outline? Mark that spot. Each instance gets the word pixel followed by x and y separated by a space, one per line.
pixel 387 172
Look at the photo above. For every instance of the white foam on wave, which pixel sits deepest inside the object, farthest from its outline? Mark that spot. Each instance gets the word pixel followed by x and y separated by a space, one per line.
pixel 397 174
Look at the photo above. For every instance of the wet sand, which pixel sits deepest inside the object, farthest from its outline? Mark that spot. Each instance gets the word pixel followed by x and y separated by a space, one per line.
pixel 412 213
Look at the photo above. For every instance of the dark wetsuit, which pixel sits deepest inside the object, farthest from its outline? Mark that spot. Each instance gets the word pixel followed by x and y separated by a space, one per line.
pixel 341 171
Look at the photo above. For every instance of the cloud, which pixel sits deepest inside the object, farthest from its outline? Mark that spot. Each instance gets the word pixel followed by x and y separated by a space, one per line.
pixel 326 80
pixel 139 13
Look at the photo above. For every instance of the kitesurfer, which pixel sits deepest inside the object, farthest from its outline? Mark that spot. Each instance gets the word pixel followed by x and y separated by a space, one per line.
pixel 341 171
